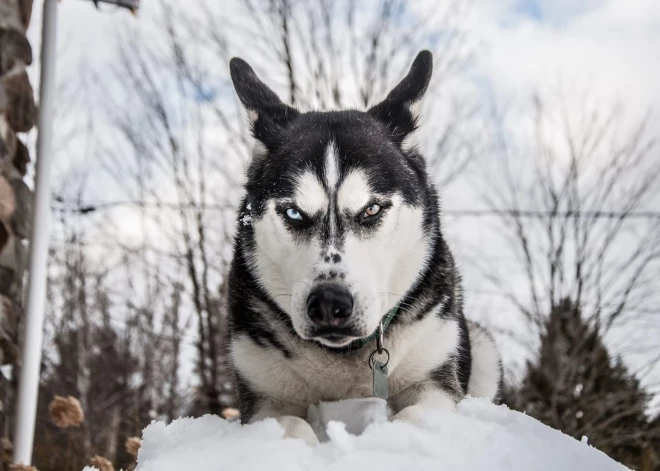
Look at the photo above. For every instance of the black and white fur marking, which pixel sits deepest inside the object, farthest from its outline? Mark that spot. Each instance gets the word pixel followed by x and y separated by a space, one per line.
pixel 340 223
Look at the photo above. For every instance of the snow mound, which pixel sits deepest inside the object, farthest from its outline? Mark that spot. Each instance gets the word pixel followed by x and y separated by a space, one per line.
pixel 480 436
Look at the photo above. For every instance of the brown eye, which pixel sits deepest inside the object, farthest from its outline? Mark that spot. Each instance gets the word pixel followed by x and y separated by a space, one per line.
pixel 372 210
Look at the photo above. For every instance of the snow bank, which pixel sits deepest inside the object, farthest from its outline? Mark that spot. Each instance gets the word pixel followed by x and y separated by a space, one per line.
pixel 480 436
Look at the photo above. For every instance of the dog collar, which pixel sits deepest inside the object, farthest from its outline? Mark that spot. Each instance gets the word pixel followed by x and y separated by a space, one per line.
pixel 359 343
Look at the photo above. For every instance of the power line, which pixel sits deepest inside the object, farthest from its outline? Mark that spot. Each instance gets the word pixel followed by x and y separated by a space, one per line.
pixel 474 213
pixel 131 5
pixel 96 207
pixel 555 214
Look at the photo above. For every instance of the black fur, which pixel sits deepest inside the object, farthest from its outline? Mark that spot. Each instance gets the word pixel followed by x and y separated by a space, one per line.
pixel 394 110
pixel 248 400
pixel 446 378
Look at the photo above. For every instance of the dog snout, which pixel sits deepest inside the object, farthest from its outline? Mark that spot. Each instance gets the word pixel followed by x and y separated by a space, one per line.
pixel 329 305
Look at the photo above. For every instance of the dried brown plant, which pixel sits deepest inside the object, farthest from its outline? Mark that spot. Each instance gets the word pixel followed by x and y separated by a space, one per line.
pixel 133 445
pixel 103 464
pixel 66 412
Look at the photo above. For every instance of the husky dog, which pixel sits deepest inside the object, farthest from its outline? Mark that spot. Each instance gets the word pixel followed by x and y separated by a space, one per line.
pixel 339 234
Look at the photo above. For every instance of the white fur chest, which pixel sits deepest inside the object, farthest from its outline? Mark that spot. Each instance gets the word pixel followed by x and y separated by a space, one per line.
pixel 314 374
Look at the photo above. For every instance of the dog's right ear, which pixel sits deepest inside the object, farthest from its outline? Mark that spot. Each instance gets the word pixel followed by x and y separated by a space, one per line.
pixel 265 110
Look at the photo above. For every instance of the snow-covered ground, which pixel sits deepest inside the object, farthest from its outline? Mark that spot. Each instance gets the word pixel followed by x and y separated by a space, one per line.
pixel 480 436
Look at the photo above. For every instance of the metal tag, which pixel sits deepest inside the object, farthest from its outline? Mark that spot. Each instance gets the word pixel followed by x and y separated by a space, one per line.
pixel 380 379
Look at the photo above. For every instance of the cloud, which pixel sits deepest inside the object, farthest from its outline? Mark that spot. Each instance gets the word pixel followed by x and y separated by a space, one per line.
pixel 610 45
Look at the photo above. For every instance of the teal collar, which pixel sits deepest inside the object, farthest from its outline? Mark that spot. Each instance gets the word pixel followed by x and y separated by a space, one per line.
pixel 359 343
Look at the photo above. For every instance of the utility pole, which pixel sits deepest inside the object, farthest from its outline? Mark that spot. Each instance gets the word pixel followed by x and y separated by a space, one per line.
pixel 28 387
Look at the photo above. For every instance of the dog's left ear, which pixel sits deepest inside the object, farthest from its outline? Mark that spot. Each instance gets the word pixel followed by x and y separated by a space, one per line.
pixel 266 112
pixel 400 110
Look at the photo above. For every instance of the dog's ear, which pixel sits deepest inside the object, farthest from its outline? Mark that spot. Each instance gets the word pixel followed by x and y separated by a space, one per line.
pixel 400 110
pixel 265 110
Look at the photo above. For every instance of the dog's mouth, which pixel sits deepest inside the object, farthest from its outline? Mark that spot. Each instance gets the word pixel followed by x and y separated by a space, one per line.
pixel 336 337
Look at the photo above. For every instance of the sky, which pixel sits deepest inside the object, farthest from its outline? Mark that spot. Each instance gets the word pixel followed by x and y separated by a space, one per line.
pixel 608 47
pixel 522 41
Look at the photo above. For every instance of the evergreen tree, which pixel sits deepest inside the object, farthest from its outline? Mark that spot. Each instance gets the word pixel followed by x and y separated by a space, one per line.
pixel 577 387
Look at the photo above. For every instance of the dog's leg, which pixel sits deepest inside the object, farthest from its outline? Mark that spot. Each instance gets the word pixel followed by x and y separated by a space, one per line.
pixel 428 399
pixel 290 419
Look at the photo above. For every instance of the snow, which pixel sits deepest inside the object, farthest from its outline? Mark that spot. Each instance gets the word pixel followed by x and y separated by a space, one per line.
pixel 246 220
pixel 355 414
pixel 480 436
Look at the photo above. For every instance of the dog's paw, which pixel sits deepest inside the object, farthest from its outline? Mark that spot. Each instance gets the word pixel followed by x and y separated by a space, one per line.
pixel 295 427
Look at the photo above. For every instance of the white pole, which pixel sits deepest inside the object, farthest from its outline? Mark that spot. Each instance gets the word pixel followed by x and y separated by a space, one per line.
pixel 28 387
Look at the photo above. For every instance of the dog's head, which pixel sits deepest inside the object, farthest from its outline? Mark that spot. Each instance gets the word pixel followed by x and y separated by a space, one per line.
pixel 337 206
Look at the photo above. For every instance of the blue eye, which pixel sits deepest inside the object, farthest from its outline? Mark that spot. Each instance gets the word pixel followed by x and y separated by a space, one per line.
pixel 294 214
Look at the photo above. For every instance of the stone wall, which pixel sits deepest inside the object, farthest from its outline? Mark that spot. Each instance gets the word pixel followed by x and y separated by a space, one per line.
pixel 18 115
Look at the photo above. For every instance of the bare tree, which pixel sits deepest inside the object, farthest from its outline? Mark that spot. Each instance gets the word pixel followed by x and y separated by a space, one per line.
pixel 178 150
pixel 575 204
pixel 165 168
pixel 119 356
pixel 325 54
pixel 571 188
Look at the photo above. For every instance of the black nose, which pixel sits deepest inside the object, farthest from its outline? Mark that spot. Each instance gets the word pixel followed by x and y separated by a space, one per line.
pixel 329 305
